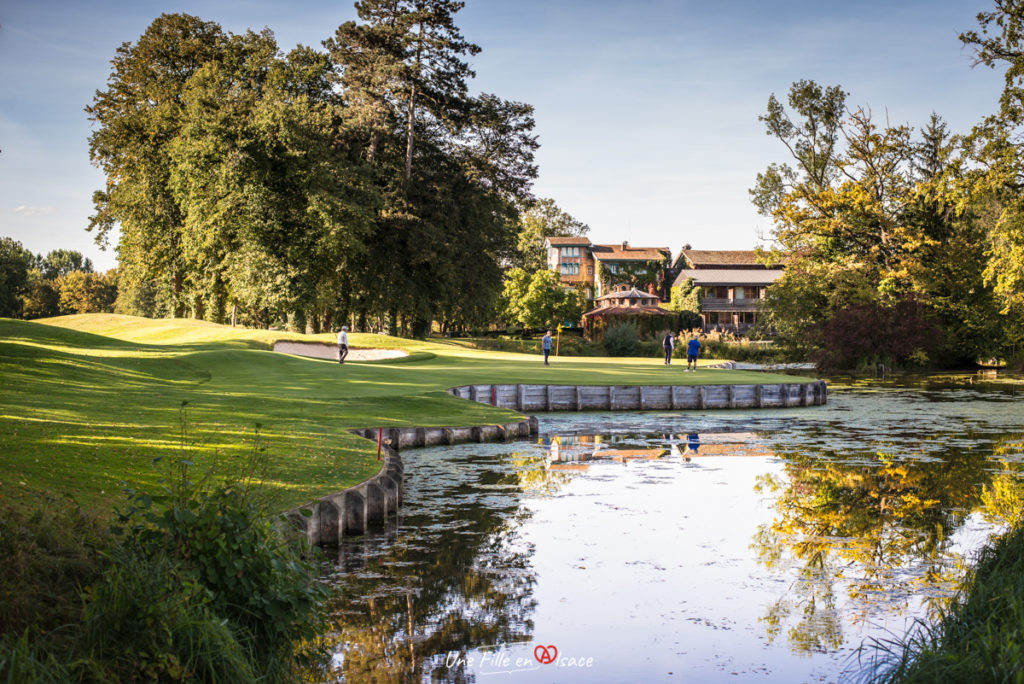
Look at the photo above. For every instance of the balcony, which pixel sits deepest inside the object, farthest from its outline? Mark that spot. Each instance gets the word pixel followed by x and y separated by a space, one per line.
pixel 724 304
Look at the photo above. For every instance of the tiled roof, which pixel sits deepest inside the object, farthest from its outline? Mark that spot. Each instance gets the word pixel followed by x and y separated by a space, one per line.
pixel 655 310
pixel 628 294
pixel 557 241
pixel 728 276
pixel 617 253
pixel 711 258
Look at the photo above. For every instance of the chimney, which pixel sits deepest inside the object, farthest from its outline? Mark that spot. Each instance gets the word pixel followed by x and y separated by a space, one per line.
pixel 687 247
pixel 625 245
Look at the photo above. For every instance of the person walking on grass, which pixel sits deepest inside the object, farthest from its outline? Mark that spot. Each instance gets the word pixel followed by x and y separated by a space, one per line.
pixel 669 343
pixel 343 344
pixel 692 351
pixel 545 342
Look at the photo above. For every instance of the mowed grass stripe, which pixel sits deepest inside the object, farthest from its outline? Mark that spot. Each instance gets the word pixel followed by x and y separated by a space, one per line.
pixel 89 402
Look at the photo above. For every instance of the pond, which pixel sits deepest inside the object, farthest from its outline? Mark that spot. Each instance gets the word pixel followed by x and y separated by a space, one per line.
pixel 761 545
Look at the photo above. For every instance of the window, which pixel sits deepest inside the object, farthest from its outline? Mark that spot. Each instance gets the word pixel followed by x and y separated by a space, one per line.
pixel 590 270
pixel 739 292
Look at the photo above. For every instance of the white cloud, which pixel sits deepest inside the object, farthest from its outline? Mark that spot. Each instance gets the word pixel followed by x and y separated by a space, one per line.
pixel 26 210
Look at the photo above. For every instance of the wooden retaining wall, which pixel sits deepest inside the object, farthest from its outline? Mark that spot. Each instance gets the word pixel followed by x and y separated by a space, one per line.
pixel 370 504
pixel 644 397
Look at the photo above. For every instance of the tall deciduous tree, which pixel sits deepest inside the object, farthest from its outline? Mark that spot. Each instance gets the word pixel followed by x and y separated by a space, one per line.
pixel 63 261
pixel 843 214
pixel 996 144
pixel 537 300
pixel 537 220
pixel 137 117
pixel 15 262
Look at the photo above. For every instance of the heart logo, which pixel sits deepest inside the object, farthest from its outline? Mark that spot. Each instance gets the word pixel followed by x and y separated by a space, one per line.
pixel 545 655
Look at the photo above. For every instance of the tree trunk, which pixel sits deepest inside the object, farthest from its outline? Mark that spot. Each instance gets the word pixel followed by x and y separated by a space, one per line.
pixel 393 323
pixel 176 286
pixel 410 117
pixel 374 144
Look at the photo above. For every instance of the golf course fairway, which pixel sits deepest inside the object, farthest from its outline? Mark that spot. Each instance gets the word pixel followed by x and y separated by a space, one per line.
pixel 90 403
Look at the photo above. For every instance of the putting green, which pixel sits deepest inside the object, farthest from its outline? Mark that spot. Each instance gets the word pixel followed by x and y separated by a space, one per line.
pixel 89 402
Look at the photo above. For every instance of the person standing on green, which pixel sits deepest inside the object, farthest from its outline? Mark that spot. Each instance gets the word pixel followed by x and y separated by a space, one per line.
pixel 546 344
pixel 692 351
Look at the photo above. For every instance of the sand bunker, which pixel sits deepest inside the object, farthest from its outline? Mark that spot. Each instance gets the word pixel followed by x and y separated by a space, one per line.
pixel 319 350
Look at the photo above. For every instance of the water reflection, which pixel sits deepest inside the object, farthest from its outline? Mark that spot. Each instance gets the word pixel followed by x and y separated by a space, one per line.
pixel 462 577
pixel 765 543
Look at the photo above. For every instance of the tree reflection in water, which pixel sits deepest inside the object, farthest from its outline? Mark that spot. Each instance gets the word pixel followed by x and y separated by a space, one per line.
pixel 869 504
pixel 874 527
pixel 408 609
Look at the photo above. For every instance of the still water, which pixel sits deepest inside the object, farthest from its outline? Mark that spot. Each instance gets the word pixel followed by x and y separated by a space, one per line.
pixel 747 545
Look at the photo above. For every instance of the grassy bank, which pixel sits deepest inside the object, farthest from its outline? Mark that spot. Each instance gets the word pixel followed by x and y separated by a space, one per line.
pixel 979 639
pixel 90 401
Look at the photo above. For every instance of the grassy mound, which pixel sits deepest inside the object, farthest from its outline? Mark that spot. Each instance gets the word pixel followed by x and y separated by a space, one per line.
pixel 90 401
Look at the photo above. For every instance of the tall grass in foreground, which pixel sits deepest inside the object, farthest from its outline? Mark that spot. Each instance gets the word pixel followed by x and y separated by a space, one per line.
pixel 195 581
pixel 980 638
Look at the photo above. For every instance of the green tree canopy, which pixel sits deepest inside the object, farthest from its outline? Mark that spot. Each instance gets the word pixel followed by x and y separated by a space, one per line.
pixel 876 233
pixel 15 262
pixel 539 300
pixel 539 219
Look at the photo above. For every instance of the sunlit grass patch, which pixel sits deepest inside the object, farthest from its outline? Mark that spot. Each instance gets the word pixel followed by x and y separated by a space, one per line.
pixel 89 401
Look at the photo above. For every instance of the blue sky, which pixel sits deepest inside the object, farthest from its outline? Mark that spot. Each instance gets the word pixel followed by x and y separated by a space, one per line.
pixel 646 109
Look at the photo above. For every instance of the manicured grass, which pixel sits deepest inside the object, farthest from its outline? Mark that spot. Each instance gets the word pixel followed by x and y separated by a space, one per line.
pixel 90 401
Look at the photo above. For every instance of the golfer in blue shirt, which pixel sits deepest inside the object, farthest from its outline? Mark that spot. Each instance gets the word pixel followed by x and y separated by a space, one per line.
pixel 692 350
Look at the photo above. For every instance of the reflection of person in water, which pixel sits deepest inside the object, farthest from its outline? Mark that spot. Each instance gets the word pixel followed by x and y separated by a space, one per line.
pixel 692 443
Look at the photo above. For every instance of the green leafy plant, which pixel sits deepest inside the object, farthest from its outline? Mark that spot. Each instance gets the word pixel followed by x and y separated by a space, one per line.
pixel 222 541
pixel 622 339
pixel 194 581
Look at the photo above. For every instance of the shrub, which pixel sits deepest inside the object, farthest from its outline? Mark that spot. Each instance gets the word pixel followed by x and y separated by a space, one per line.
pixel 622 339
pixel 49 555
pixel 195 581
pixel 726 345
pixel 251 574
pixel 150 620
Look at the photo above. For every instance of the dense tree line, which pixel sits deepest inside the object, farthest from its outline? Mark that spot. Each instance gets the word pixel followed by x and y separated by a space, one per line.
pixel 359 183
pixel 61 282
pixel 902 246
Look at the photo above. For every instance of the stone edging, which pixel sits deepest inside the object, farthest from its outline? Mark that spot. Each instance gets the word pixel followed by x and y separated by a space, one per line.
pixel 353 511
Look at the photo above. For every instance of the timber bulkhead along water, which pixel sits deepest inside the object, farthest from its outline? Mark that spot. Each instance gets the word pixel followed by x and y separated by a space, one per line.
pixel 368 505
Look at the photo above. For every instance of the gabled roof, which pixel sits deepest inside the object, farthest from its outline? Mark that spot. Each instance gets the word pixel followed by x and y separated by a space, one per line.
pixel 728 276
pixel 719 258
pixel 627 253
pixel 559 241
